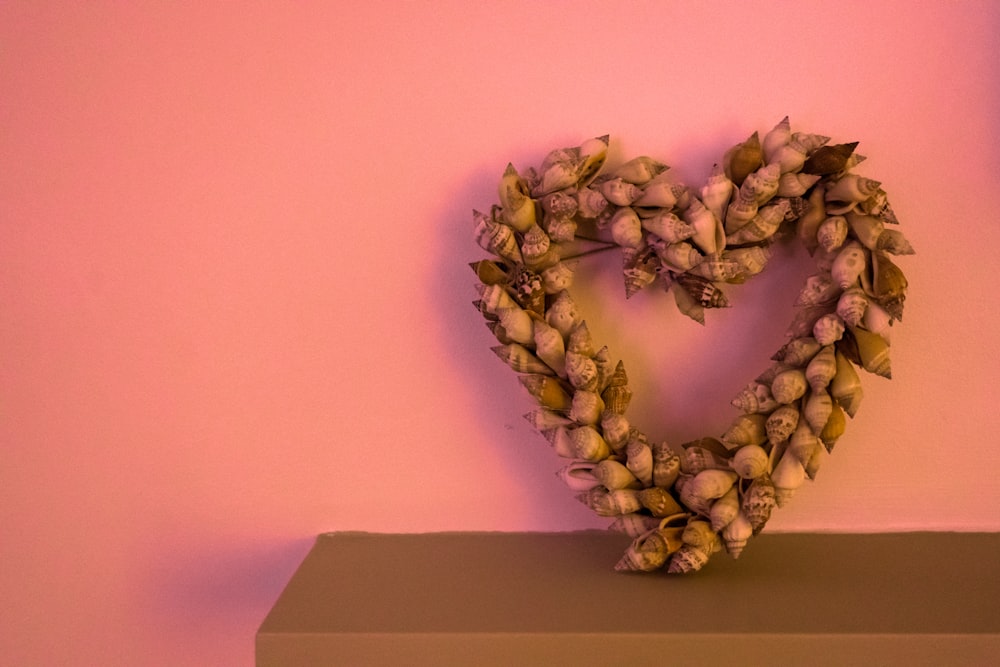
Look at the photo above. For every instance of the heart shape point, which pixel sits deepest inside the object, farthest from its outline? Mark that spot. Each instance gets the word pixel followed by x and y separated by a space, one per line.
pixel 681 505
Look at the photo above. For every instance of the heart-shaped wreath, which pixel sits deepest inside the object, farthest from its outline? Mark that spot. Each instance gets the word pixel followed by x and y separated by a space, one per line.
pixel 682 506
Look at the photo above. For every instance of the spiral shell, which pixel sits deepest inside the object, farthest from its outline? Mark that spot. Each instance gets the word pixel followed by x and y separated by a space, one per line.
pixel 725 509
pixel 619 192
pixel 613 475
pixel 617 395
pixel 547 391
pixel 666 465
pixel 518 206
pixel 828 329
pixel 611 503
pixel 736 534
pixel 521 359
pixel 848 265
pixel 586 407
pixel 659 502
pixel 743 159
pixel 635 524
pixel 550 347
pixel 781 423
pixel 873 352
pixel 758 502
pixel 639 461
pixel 496 237
pixel 746 429
pixel 762 226
pixel 832 233
pixel 660 192
pixel 787 477
pixel 750 462
pixel 889 285
pixel 588 444
pixel 667 226
pixel 789 385
pixel 650 551
pixel 829 160
pixel 846 386
pixel 562 314
pixel 776 139
pixel 822 368
pixel 581 371
pixel 616 429
pixel 579 475
pixel 755 397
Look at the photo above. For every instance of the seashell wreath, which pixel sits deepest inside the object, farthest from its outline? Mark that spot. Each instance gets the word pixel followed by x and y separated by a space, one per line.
pixel 682 506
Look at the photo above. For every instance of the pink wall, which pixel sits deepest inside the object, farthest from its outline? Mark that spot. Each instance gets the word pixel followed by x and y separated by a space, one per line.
pixel 234 300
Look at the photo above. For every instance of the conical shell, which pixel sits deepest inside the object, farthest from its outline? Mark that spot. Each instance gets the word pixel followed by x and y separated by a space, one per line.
pixel 580 340
pixel 550 347
pixel 832 233
pixel 616 429
pixel 851 188
pixel 528 290
pixel 490 272
pixel 634 524
pixel 666 465
pixel 611 503
pixel 650 551
pixel 798 351
pixel 751 260
pixel 562 314
pixel 579 475
pixel 518 325
pixel 688 559
pixel 619 192
pixel 792 156
pixel 581 371
pixel 776 139
pixel 755 397
pixel 590 203
pixel 892 241
pixel 781 423
pixel 639 461
pixel 846 386
pixel 626 228
pixel 562 443
pixel 496 237
pixel 808 223
pixel 705 487
pixel 746 429
pixel 878 321
pixel 788 476
pixel 805 447
pixel 829 159
pixel 639 170
pixel 828 329
pixel 558 277
pixel 736 534
pixel 725 509
pixel 613 475
pixel 593 153
pixel 543 419
pixel 639 269
pixel 762 184
pixel 518 206
pixel 695 457
pixel 717 191
pixel 561 229
pixel 659 502
pixel 704 292
pixel 817 409
pixel 865 228
pixel 716 268
pixel 687 304
pixel 741 210
pixel 709 234
pixel 889 285
pixel 588 444
pixel 851 306
pixel 660 192
pixel 848 265
pixel 873 352
pixel 789 385
pixel 617 395
pixel 521 359
pixel 699 533
pixel 762 226
pixel 750 462
pixel 559 204
pixel 822 368
pixel 834 427
pixel 743 159
pixel 795 184
pixel 586 407
pixel 494 298
pixel 668 227
pixel 758 502
pixel 547 391
pixel 679 256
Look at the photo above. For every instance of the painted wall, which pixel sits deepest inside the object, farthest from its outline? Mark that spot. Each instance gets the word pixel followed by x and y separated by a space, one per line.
pixel 235 301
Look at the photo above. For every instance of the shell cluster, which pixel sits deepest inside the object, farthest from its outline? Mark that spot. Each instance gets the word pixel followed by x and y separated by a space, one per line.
pixel 682 504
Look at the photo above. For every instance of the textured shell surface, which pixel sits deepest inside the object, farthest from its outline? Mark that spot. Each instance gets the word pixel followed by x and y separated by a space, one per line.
pixel 750 461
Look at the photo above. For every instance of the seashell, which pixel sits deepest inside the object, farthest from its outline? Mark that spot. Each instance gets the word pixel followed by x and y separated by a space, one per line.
pixel 793 184
pixel 851 306
pixel 558 174
pixel 736 534
pixel 639 170
pixel 668 226
pixel 626 228
pixel 822 368
pixel 537 249
pixel 562 444
pixel 616 429
pixel 562 314
pixel 762 226
pixel 547 391
pixel 515 200
pixel 787 477
pixel 893 242
pixel 494 298
pixel 559 228
pixel 544 419
pixel 528 290
pixel 688 559
pixel 617 395
pixel 521 359
pixel 845 387
pixel 709 234
pixel 558 277
pixel 704 292
pixel 798 351
pixel 593 153
pixel 619 192
pixel 804 321
pixel 581 371
pixel 789 385
pixel 639 269
pixel 834 427
pixel 746 429
pixel 819 289
pixel 878 205
pixel 659 502
pixel 751 260
pixel 717 191
pixel 650 551
pixel 725 509
pixel 640 460
pixel 776 139
pixel 755 397
pixel 586 407
pixel 550 347
pixel 634 524
pixel 832 233
pixel 828 329
pixel 660 192
pixel 496 237
pixel 877 320
pixel 817 409
pixel 750 461
pixel 699 533
pixel 611 503
pixel 587 443
pixel 762 184
pixel 889 285
pixel 679 256
pixel 518 325
pixel 613 475
pixel 873 352
pixel 810 220
pixel 829 159
pixel 740 211
pixel 704 454
pixel 806 448
pixel 706 486
pixel 781 423
pixel 865 228
pixel 580 340
pixel 687 304
pixel 848 265
pixel 604 369
pixel 666 465
pixel 559 204
pixel 743 159
pixel 579 475
pixel 715 268
pixel 758 502
pixel 801 145
pixel 590 203
pixel 850 189
pixel 490 272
